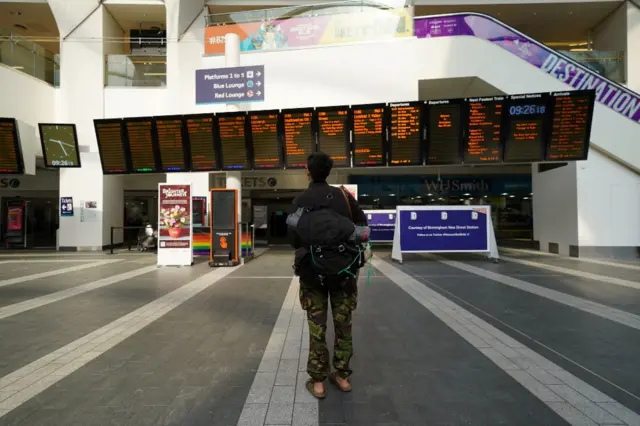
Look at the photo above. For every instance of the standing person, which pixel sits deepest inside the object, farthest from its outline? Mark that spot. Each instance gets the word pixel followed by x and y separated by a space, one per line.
pixel 336 212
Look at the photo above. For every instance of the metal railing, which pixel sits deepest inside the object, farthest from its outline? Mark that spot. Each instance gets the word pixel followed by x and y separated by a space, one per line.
pixel 26 56
pixel 135 71
pixel 333 8
pixel 609 64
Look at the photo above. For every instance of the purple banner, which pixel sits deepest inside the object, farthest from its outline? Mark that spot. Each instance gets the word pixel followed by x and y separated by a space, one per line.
pixel 382 224
pixel 608 93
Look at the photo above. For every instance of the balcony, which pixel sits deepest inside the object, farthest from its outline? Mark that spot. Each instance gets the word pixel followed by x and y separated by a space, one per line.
pixel 135 71
pixel 28 57
pixel 609 64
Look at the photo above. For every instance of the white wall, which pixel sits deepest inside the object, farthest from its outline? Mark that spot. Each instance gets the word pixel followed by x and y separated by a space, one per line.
pixel 30 101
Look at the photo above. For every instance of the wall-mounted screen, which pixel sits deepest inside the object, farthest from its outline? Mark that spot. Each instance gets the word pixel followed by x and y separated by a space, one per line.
pixel 59 145
pixel 525 127
pixel 368 135
pixel 297 131
pixel 484 130
pixel 112 146
pixel 10 153
pixel 572 113
pixel 265 140
pixel 444 131
pixel 232 140
pixel 405 134
pixel 333 134
pixel 171 146
pixel 139 132
pixel 199 134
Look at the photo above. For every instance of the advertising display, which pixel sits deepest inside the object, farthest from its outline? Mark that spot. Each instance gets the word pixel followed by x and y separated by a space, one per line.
pixel 608 93
pixel 352 189
pixel 306 31
pixel 443 229
pixel 225 241
pixel 15 217
pixel 382 224
pixel 175 231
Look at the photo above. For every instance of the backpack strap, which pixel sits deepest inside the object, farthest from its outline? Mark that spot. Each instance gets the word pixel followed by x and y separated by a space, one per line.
pixel 345 194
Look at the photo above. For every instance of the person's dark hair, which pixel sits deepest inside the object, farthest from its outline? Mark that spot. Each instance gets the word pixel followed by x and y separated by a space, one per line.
pixel 319 165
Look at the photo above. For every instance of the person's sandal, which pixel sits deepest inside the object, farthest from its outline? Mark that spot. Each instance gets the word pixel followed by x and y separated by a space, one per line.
pixel 312 391
pixel 333 378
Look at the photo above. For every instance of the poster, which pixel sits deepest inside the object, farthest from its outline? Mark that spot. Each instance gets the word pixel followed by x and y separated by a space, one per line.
pixel 353 189
pixel 88 211
pixel 306 31
pixel 175 231
pixel 260 217
pixel 382 224
pixel 15 217
pixel 66 206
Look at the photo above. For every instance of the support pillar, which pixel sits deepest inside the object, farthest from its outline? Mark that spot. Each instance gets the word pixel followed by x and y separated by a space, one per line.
pixel 234 179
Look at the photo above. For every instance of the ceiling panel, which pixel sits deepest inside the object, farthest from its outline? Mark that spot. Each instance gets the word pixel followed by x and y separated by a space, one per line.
pixel 134 16
pixel 32 20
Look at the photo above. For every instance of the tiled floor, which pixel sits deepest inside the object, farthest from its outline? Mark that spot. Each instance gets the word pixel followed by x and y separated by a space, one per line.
pixel 440 340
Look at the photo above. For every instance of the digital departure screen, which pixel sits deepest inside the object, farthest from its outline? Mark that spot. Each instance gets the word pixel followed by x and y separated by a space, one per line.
pixel 109 134
pixel 333 135
pixel 59 145
pixel 265 140
pixel 444 131
pixel 405 134
pixel 139 133
pixel 571 125
pixel 202 148
pixel 170 144
pixel 525 128
pixel 298 137
pixel 10 152
pixel 484 130
pixel 368 135
pixel 231 131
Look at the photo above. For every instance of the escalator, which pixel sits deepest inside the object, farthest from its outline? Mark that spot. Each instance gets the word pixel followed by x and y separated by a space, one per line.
pixel 473 44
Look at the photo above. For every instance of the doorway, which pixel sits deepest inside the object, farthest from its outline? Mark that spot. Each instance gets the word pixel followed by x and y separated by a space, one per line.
pixel 41 220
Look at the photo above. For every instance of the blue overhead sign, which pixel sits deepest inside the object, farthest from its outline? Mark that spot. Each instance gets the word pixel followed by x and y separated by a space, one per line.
pixel 230 85
pixel 66 206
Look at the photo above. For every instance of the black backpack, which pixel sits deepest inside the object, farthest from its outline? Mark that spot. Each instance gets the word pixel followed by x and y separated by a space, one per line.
pixel 332 245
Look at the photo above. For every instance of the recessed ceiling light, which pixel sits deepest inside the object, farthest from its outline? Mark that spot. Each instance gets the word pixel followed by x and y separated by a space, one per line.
pixel 22 27
pixel 16 13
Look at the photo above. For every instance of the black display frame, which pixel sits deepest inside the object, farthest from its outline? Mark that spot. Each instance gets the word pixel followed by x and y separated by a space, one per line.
pixel 16 145
pixel 75 143
pixel 125 146
pixel 347 131
pixel 461 104
pixel 279 139
pixel 465 127
pixel 421 139
pixel 383 139
pixel 314 145
pixel 588 126
pixel 219 140
pixel 185 157
pixel 214 146
pixel 154 143
pixel 544 131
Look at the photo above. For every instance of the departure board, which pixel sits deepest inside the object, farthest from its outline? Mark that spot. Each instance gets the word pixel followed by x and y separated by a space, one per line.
pixel 265 140
pixel 233 147
pixel 444 131
pixel 484 130
pixel 202 148
pixel 171 144
pixel 526 127
pixel 405 134
pixel 109 134
pixel 368 135
pixel 571 125
pixel 10 153
pixel 333 135
pixel 139 133
pixel 298 137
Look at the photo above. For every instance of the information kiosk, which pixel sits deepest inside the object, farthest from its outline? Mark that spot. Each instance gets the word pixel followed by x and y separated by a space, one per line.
pixel 224 228
pixel 444 229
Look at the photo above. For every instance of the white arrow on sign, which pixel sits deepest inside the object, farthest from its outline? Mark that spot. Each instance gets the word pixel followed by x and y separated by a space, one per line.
pixel 258 84
pixel 258 73
pixel 259 93
pixel 64 207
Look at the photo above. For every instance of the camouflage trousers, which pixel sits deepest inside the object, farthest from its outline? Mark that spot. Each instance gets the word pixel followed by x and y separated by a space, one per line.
pixel 315 300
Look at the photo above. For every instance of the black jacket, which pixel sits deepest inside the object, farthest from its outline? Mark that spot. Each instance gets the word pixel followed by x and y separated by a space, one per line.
pixel 317 194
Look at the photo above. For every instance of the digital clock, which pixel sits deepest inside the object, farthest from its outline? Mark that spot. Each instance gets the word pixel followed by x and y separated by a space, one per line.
pixel 527 109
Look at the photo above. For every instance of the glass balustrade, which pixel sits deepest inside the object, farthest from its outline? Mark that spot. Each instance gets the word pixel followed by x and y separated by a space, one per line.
pixel 135 71
pixel 609 64
pixel 26 56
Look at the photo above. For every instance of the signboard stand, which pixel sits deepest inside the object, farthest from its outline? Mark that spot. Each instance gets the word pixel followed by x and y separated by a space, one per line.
pixel 175 228
pixel 382 225
pixel 444 229
pixel 225 250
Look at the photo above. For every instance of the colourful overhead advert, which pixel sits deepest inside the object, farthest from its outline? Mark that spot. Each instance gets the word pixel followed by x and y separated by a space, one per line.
pixel 292 32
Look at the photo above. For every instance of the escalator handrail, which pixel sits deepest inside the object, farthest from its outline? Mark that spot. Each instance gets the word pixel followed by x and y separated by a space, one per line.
pixel 543 47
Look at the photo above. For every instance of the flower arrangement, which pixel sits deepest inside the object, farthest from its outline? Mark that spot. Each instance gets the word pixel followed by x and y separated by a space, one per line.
pixel 175 219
